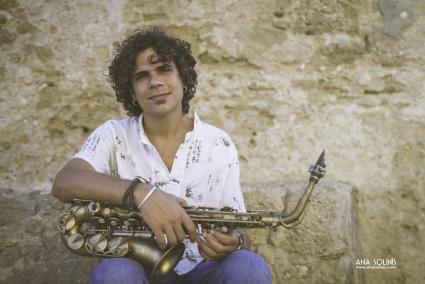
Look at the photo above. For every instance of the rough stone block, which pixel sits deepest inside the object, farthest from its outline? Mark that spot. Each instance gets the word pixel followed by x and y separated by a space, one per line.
pixel 319 250
pixel 30 247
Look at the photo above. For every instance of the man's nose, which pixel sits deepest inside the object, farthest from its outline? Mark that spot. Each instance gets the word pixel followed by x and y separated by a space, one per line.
pixel 156 80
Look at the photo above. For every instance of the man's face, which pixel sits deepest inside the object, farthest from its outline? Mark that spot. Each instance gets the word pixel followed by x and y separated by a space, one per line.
pixel 157 85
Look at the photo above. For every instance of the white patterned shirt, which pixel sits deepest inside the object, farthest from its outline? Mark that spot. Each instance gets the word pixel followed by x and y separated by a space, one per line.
pixel 205 170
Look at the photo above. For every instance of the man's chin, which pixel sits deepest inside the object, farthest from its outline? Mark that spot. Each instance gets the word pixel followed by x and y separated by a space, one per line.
pixel 162 110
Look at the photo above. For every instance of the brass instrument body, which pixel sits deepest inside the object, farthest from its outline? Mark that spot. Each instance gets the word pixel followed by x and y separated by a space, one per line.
pixel 88 228
pixel 92 228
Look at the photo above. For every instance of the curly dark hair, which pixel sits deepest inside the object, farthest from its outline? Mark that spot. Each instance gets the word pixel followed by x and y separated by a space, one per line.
pixel 169 49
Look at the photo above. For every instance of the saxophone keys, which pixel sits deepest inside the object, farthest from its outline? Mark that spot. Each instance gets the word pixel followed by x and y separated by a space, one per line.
pixel 119 247
pixel 75 241
pixel 113 222
pixel 66 222
pixel 133 223
pixel 93 207
pixel 70 223
pixel 98 243
pixel 106 211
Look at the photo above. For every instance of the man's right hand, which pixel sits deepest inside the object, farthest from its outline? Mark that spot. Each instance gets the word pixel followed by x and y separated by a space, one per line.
pixel 164 214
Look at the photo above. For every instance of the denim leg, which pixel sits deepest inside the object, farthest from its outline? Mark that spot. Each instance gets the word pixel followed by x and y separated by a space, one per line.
pixel 171 278
pixel 241 267
pixel 119 270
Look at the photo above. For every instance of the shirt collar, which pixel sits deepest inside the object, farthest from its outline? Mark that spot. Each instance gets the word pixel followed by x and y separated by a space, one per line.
pixel 190 136
pixel 143 137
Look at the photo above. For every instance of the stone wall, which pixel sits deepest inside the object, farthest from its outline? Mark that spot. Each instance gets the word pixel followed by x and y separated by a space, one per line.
pixel 284 78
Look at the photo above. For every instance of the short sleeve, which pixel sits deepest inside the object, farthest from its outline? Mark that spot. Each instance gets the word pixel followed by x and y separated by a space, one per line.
pixel 232 195
pixel 98 149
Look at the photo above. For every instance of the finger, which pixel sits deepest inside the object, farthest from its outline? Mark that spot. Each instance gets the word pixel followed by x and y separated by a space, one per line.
pixel 179 231
pixel 216 246
pixel 160 239
pixel 204 255
pixel 225 239
pixel 203 246
pixel 171 236
pixel 190 227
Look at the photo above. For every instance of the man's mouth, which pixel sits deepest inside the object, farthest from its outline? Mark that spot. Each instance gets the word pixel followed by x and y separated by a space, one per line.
pixel 159 98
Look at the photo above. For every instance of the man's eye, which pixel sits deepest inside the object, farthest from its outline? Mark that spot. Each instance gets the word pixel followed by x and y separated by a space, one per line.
pixel 141 77
pixel 166 68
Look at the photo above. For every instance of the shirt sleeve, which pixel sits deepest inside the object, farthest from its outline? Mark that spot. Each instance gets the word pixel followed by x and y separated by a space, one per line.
pixel 98 149
pixel 232 195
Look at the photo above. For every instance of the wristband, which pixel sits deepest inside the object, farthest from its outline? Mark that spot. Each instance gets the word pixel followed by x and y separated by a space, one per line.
pixel 241 240
pixel 151 191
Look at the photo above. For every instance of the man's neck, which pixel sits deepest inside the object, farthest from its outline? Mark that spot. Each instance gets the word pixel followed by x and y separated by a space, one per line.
pixel 166 127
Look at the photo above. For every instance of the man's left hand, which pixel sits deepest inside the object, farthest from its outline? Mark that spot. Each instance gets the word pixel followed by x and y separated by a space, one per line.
pixel 214 244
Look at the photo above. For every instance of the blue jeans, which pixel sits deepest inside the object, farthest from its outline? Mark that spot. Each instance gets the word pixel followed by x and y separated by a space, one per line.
pixel 242 266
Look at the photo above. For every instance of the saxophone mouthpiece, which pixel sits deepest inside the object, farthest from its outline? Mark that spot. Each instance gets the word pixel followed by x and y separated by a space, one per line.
pixel 321 160
pixel 319 169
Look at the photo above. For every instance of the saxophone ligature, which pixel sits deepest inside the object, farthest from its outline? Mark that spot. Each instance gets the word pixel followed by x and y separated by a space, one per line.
pixel 91 228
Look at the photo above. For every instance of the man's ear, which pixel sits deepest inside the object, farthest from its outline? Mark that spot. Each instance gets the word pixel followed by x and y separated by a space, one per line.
pixel 133 96
pixel 132 93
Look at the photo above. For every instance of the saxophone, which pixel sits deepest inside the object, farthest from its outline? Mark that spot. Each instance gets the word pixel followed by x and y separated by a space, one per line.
pixel 91 228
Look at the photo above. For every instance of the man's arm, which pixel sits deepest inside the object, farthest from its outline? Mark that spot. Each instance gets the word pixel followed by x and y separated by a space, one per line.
pixel 78 179
pixel 162 211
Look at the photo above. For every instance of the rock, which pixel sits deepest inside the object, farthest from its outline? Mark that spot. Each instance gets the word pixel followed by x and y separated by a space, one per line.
pixel 395 16
pixel 324 240
pixel 31 250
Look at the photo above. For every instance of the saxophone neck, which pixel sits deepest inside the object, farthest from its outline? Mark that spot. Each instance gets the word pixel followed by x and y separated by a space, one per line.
pixel 317 171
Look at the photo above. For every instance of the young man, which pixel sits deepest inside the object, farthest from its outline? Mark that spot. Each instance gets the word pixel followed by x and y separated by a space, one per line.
pixel 188 162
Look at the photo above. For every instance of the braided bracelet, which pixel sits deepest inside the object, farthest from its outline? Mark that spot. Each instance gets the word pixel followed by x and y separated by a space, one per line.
pixel 151 191
pixel 128 197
